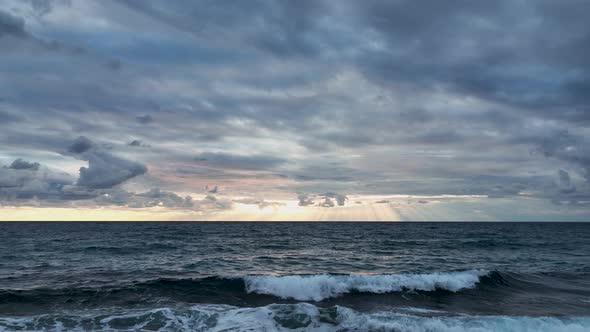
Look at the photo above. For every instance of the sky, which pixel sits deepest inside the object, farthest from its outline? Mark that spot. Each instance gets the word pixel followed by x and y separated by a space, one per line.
pixel 284 109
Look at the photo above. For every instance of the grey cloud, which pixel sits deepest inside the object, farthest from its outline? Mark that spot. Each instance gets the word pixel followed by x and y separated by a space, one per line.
pixel 26 180
pixel 6 117
pixel 11 25
pixel 304 200
pixel 328 199
pixel 114 64
pixel 340 199
pixel 426 96
pixel 114 197
pixel 157 197
pixel 43 7
pixel 327 202
pixel 106 170
pixel 331 172
pixel 568 147
pixel 423 40
pixel 23 164
pixel 262 204
pixel 145 119
pixel 291 28
pixel 218 174
pixel 160 198
pixel 212 203
pixel 135 143
pixel 484 185
pixel 565 183
pixel 15 27
pixel 235 161
pixel 23 179
pixel 81 145
pixel 282 28
pixel 437 137
pixel 326 141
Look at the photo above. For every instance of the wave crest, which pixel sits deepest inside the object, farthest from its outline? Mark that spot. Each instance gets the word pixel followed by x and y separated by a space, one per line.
pixel 324 286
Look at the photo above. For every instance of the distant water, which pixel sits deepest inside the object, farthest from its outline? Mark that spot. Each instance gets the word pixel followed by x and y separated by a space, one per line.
pixel 295 276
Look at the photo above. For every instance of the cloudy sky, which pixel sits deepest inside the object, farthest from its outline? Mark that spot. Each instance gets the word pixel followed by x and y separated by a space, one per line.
pixel 295 109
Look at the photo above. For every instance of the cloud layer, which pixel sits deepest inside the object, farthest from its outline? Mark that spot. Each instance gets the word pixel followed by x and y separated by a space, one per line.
pixel 272 98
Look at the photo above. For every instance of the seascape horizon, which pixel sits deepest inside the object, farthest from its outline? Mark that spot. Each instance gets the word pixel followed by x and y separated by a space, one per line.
pixel 295 165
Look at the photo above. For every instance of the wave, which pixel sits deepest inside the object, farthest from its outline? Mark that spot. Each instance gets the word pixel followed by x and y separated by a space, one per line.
pixel 321 287
pixel 457 288
pixel 284 317
pixel 296 287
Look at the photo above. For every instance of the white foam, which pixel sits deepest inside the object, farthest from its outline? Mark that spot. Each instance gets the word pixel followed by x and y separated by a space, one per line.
pixel 387 321
pixel 420 310
pixel 287 317
pixel 323 286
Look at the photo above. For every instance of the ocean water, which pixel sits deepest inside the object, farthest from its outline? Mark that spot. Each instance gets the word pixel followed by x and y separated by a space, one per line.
pixel 295 277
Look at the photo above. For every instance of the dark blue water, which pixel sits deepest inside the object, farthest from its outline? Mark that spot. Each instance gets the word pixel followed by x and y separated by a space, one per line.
pixel 295 276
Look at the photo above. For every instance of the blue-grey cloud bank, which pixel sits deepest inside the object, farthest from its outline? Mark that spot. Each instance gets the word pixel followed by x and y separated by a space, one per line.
pixel 101 101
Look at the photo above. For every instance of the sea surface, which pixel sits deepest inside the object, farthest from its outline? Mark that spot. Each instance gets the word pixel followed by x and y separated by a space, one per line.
pixel 295 277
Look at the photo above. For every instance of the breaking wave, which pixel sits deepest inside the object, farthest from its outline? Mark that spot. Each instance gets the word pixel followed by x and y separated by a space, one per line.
pixel 321 287
pixel 294 287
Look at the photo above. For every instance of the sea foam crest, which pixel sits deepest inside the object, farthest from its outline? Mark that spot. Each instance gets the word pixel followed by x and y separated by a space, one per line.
pixel 301 317
pixel 323 286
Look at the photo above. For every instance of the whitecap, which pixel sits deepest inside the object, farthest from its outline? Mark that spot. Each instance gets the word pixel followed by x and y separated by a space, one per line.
pixel 323 286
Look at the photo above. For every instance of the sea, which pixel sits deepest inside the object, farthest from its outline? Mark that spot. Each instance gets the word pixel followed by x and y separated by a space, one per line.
pixel 168 276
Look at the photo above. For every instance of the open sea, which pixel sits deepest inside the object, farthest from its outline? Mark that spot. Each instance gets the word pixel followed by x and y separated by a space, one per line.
pixel 295 277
